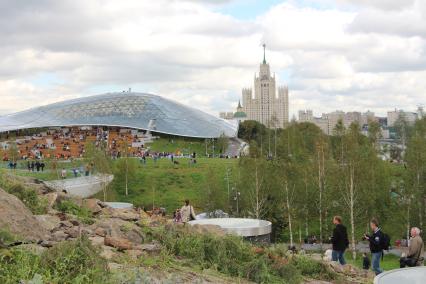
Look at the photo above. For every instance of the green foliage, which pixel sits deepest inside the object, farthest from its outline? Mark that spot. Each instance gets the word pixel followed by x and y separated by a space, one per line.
pixel 222 143
pixel 83 214
pixel 213 196
pixel 251 130
pixel 229 255
pixel 6 236
pixel 28 196
pixel 313 269
pixel 289 273
pixel 235 257
pixel 68 262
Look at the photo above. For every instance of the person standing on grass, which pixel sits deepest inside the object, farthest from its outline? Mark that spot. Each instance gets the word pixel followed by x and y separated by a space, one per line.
pixel 187 212
pixel 64 173
pixel 365 262
pixel 375 240
pixel 339 241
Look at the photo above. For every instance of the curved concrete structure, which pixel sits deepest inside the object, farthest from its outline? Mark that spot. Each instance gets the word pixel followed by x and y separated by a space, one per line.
pixel 127 109
pixel 239 226
pixel 119 205
pixel 81 186
pixel 411 275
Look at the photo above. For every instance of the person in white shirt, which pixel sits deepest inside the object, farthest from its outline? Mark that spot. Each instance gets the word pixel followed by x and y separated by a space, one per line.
pixel 187 212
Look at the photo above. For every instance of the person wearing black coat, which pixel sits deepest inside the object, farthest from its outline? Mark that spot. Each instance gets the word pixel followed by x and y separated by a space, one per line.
pixel 339 241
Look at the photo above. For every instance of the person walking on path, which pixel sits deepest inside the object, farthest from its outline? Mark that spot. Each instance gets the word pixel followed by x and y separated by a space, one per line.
pixel 187 212
pixel 339 241
pixel 415 250
pixel 375 240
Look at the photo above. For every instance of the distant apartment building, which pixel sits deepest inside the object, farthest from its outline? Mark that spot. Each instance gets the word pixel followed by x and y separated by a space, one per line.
pixel 307 116
pixel 393 116
pixel 328 121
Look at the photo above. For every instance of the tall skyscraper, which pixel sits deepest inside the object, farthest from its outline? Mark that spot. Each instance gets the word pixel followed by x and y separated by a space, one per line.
pixel 266 107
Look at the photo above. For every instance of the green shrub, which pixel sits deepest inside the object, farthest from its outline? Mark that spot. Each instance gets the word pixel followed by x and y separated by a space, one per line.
pixel 229 255
pixel 312 268
pixel 83 214
pixel 74 262
pixel 290 273
pixel 6 236
pixel 29 197
pixel 68 262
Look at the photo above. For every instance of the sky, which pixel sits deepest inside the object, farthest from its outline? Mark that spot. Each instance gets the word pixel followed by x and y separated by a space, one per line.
pixel 351 55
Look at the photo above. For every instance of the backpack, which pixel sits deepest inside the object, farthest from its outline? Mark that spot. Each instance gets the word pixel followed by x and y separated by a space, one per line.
pixel 385 242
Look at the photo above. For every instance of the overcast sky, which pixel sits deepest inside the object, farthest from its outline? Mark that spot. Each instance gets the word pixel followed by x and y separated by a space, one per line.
pixel 333 54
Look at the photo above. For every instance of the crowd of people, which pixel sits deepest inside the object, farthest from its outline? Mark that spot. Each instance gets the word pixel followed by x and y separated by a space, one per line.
pixel 67 143
pixel 378 243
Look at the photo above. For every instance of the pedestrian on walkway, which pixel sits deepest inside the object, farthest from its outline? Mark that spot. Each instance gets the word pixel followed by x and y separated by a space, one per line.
pixel 376 240
pixel 339 240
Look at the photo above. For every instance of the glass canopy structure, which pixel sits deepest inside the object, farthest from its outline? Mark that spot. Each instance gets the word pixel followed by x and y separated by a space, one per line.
pixel 125 109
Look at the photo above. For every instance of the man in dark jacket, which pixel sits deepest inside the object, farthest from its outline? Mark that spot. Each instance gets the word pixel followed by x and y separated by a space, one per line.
pixel 339 240
pixel 376 249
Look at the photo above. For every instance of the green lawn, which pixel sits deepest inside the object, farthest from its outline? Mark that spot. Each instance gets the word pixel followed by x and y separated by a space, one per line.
pixel 184 145
pixel 389 261
pixel 167 185
pixel 162 183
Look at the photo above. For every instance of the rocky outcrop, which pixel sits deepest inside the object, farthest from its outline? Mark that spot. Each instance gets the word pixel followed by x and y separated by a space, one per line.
pixel 93 205
pixel 18 219
pixel 49 222
pixel 118 243
pixel 114 227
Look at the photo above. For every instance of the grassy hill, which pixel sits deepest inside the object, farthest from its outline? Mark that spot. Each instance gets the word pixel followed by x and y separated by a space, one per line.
pixel 167 185
pixel 162 183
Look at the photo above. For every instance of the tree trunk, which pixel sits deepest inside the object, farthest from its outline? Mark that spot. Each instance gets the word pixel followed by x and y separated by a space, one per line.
pixel 408 221
pixel 127 173
pixel 257 211
pixel 306 208
pixel 351 207
pixel 420 201
pixel 320 196
pixel 288 214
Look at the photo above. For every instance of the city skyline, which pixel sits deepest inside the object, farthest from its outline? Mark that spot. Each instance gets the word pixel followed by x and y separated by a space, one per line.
pixel 201 53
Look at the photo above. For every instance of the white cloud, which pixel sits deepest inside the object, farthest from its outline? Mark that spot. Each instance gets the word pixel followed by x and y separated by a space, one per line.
pixel 371 56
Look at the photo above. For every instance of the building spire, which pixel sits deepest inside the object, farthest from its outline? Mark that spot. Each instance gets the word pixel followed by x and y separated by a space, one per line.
pixel 264 53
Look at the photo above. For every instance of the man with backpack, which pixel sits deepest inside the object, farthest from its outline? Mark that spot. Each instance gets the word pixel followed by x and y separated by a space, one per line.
pixel 378 242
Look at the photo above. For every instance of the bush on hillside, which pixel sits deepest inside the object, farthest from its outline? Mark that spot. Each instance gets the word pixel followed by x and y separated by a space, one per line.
pixel 230 255
pixel 29 197
pixel 83 214
pixel 68 262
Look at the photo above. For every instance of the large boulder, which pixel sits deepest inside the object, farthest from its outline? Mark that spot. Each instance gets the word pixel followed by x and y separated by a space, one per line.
pixel 126 214
pixel 49 222
pixel 118 243
pixel 93 205
pixel 18 219
pixel 118 228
